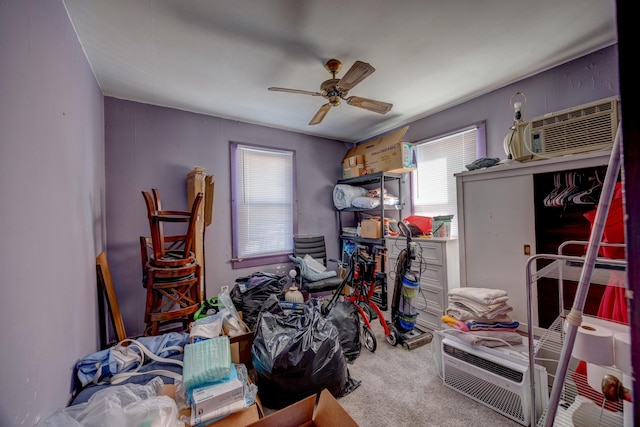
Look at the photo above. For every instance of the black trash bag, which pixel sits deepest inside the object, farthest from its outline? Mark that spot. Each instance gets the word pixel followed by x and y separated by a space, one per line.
pixel 250 293
pixel 297 353
pixel 344 316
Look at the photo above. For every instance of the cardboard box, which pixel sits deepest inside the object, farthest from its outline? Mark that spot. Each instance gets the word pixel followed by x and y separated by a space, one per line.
pixel 238 419
pixel 241 345
pixel 211 398
pixel 386 153
pixel 354 171
pixel 329 413
pixel 370 229
pixel 353 161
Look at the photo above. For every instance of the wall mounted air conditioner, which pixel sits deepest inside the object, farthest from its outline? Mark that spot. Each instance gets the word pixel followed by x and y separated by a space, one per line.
pixel 575 130
pixel 494 377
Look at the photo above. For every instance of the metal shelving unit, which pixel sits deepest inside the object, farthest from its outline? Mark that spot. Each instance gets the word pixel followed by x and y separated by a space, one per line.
pixel 380 179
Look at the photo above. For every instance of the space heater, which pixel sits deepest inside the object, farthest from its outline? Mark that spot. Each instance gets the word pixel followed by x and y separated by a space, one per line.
pixel 580 129
pixel 496 377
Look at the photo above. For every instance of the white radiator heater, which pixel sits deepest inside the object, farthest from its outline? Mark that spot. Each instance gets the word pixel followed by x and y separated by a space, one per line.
pixel 496 377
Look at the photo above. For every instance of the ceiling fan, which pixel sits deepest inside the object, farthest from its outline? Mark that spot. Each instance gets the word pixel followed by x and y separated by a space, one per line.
pixel 336 89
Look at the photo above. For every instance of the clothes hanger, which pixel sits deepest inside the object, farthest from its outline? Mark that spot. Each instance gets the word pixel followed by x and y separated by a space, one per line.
pixel 591 195
pixel 570 187
pixel 557 179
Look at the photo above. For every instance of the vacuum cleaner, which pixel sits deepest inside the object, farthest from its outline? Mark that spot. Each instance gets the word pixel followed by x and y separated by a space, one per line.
pixel 406 289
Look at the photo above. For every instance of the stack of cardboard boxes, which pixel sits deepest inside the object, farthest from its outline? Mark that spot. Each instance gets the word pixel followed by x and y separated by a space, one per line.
pixel 386 153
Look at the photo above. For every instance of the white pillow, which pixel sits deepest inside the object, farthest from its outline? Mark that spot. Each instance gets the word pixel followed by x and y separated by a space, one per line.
pixel 313 264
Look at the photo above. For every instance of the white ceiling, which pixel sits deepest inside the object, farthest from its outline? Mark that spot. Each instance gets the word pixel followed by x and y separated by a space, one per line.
pixel 218 57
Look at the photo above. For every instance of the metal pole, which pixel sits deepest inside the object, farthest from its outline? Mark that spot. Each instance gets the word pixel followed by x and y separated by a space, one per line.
pixel 574 318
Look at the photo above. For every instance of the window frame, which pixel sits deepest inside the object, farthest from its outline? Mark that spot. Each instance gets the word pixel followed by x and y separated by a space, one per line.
pixel 481 150
pixel 267 259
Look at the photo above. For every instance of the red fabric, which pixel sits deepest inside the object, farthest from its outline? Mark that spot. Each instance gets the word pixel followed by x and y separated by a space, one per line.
pixel 424 223
pixel 613 305
pixel 614 227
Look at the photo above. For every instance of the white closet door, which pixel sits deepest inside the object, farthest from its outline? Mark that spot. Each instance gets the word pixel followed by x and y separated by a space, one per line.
pixel 498 221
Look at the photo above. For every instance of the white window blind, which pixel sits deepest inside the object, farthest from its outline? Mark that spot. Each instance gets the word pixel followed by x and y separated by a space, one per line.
pixel 263 198
pixel 433 183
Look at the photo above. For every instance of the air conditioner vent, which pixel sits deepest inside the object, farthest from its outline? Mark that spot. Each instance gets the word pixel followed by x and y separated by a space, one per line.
pixel 584 128
pixel 501 399
pixel 494 378
pixel 483 363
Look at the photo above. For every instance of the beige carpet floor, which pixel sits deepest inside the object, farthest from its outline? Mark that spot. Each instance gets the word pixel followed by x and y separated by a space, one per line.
pixel 403 388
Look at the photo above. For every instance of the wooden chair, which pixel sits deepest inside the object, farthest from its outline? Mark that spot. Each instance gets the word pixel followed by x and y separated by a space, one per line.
pixel 173 296
pixel 105 286
pixel 146 250
pixel 170 270
pixel 175 250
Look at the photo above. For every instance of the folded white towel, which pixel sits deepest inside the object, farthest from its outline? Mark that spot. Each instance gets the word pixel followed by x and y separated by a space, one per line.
pixel 480 295
pixel 489 312
pixel 464 315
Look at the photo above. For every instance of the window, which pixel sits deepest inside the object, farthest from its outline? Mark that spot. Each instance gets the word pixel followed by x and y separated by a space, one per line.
pixel 263 204
pixel 433 184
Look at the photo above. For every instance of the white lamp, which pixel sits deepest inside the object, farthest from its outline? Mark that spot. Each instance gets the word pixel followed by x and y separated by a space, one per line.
pixel 293 294
pixel 512 137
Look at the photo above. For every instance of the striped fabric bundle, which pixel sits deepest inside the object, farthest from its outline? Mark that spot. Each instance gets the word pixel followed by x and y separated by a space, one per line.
pixel 206 362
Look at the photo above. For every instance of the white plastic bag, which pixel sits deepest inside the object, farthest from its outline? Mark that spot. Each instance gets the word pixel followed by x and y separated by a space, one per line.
pixel 127 405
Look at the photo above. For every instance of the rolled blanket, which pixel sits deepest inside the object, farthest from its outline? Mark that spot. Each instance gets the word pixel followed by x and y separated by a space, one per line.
pixel 479 295
pixel 365 202
pixel 344 194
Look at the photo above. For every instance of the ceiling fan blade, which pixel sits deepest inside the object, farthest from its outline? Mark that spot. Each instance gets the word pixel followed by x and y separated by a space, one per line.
pixel 370 104
pixel 303 92
pixel 320 114
pixel 357 73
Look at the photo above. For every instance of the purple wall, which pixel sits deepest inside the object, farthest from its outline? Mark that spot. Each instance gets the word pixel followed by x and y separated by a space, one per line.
pixel 590 78
pixel 149 146
pixel 52 192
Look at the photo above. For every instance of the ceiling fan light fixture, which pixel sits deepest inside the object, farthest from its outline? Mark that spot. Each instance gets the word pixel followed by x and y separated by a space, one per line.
pixel 319 116
pixel 334 90
pixel 357 73
pixel 370 104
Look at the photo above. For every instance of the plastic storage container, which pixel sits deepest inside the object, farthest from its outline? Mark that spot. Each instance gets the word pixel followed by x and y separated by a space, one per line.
pixel 442 226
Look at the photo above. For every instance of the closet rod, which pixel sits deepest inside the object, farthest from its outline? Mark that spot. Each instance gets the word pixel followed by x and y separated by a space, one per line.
pixel 574 318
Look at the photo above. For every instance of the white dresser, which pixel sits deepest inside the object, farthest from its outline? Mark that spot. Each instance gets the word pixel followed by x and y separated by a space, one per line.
pixel 438 268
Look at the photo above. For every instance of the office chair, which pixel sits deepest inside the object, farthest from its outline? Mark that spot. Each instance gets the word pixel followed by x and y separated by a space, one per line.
pixel 314 283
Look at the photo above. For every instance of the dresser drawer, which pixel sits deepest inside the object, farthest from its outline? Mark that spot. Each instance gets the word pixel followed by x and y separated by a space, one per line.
pixel 432 252
pixel 429 251
pixel 432 275
pixel 429 299
pixel 429 320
